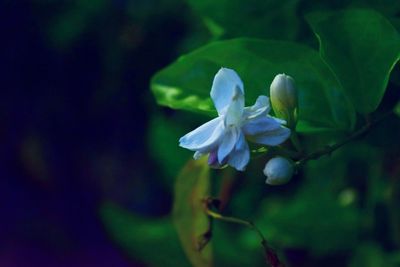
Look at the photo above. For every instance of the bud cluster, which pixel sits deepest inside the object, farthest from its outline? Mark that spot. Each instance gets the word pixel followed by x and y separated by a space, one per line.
pixel 283 94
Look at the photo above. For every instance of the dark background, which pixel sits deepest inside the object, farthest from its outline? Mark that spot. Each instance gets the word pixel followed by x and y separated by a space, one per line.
pixel 74 111
pixel 84 148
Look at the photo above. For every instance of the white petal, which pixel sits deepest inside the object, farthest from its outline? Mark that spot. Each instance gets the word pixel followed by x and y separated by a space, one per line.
pixel 240 156
pixel 272 138
pixel 260 108
pixel 233 115
pixel 205 137
pixel 223 88
pixel 260 125
pixel 227 144
pixel 283 122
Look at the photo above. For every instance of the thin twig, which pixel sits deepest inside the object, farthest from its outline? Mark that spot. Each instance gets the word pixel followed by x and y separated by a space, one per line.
pixel 330 148
pixel 270 255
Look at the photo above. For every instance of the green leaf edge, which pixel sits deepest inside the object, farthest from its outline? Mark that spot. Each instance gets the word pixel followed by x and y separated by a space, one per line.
pixel 308 18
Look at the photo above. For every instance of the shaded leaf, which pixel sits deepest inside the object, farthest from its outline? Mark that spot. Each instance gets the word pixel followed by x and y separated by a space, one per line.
pixel 361 47
pixel 169 131
pixel 310 218
pixel 252 18
pixel 397 109
pixel 191 222
pixel 150 240
pixel 371 255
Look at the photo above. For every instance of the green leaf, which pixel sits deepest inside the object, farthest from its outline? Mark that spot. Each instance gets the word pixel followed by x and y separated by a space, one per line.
pixel 191 222
pixel 152 241
pixel 371 255
pixel 361 47
pixel 251 18
pixel 308 219
pixel 169 131
pixel 397 109
pixel 186 83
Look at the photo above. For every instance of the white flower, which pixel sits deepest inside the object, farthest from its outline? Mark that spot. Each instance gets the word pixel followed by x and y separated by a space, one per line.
pixel 223 138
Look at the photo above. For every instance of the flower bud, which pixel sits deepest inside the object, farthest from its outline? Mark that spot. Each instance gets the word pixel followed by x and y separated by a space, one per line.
pixel 283 95
pixel 278 170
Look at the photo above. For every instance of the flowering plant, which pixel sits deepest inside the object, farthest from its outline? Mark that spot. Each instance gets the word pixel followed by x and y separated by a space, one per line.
pixel 313 112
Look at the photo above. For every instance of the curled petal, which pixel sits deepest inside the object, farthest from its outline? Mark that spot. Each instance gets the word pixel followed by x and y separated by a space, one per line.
pixel 223 88
pixel 227 144
pixel 260 108
pixel 272 138
pixel 240 156
pixel 204 138
pixel 260 125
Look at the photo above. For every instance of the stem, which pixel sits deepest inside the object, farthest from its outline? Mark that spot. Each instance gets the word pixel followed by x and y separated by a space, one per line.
pixel 330 148
pixel 296 142
pixel 270 255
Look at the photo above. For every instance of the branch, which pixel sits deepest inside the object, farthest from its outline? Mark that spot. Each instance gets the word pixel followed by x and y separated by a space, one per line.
pixel 330 148
pixel 270 255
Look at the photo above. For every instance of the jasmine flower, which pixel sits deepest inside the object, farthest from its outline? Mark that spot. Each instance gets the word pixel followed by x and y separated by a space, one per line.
pixel 224 138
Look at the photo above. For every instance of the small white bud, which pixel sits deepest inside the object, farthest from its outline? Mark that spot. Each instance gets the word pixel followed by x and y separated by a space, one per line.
pixel 283 95
pixel 278 170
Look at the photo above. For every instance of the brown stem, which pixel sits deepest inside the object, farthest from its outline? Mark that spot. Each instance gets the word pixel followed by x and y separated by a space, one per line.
pixel 271 257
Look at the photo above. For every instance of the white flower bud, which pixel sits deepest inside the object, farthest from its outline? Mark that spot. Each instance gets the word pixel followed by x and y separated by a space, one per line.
pixel 283 95
pixel 278 170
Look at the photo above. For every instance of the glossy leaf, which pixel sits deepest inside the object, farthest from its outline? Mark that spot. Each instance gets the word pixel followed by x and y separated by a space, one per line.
pixel 186 83
pixel 191 222
pixel 362 47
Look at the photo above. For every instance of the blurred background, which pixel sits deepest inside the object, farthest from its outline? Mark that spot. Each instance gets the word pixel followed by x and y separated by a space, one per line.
pixel 88 159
